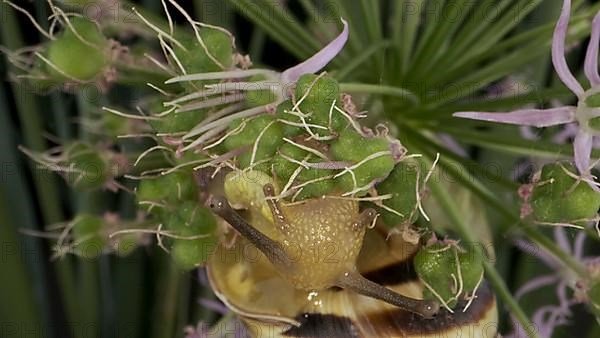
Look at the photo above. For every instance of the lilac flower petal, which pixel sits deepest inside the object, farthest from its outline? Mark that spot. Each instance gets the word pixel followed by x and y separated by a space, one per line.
pixel 560 236
pixel 558 50
pixel 591 56
pixel 539 253
pixel 583 149
pixel 579 245
pixel 319 60
pixel 535 284
pixel 526 117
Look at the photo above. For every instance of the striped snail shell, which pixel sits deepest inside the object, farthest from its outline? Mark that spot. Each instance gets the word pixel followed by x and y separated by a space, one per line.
pixel 355 283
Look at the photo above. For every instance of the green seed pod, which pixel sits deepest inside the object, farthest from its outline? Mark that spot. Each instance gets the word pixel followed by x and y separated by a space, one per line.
pixel 174 122
pixel 288 130
pixel 557 200
pixel 402 184
pixel 195 59
pixel 284 169
pixel 192 220
pixel 88 235
pixel 263 129
pixel 170 189
pixel 351 146
pixel 73 58
pixel 436 266
pixel 88 167
pixel 125 244
pixel 255 98
pixel 319 100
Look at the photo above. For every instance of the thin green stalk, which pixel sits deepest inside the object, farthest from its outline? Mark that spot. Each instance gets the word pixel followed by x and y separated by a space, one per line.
pixel 409 33
pixel 33 130
pixel 163 317
pixel 398 92
pixel 359 59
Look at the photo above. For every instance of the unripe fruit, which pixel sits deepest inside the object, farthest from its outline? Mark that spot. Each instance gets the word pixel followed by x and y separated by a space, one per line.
pixel 88 168
pixel 88 235
pixel 558 202
pixel 351 146
pixel 191 220
pixel 319 100
pixel 284 169
pixel 436 266
pixel 169 189
pixel 76 58
pixel 288 130
pixel 263 129
pixel 402 184
pixel 255 98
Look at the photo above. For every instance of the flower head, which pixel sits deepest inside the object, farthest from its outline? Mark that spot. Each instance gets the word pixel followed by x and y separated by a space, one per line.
pixel 279 84
pixel 587 111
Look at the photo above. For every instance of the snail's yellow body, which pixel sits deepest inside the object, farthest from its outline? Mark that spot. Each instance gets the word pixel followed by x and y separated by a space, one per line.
pixel 323 240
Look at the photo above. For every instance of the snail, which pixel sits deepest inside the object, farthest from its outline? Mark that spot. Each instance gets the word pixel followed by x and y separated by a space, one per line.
pixel 311 269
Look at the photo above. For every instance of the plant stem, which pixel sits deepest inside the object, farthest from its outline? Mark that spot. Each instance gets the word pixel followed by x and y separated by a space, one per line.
pixel 402 93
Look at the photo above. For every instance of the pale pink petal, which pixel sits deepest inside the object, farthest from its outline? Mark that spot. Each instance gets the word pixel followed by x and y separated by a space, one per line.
pixel 558 50
pixel 591 56
pixel 526 117
pixel 560 236
pixel 583 150
pixel 579 245
pixel 319 60
pixel 535 284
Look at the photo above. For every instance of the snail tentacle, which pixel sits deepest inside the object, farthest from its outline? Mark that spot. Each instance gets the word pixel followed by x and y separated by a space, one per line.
pixel 359 284
pixel 272 249
pixel 364 219
pixel 276 210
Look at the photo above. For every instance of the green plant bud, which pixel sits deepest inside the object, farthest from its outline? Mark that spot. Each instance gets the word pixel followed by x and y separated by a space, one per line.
pixel 169 189
pixel 594 123
pixel 593 100
pixel 76 58
pixel 196 60
pixel 435 265
pixel 402 184
pixel 174 122
pixel 256 98
pixel 319 100
pixel 190 220
pixel 126 244
pixel 188 254
pixel 88 168
pixel 558 202
pixel 351 146
pixel 115 125
pixel 284 169
pixel 88 235
pixel 471 267
pixel 264 126
pixel 288 130
pixel 315 189
pixel 243 160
